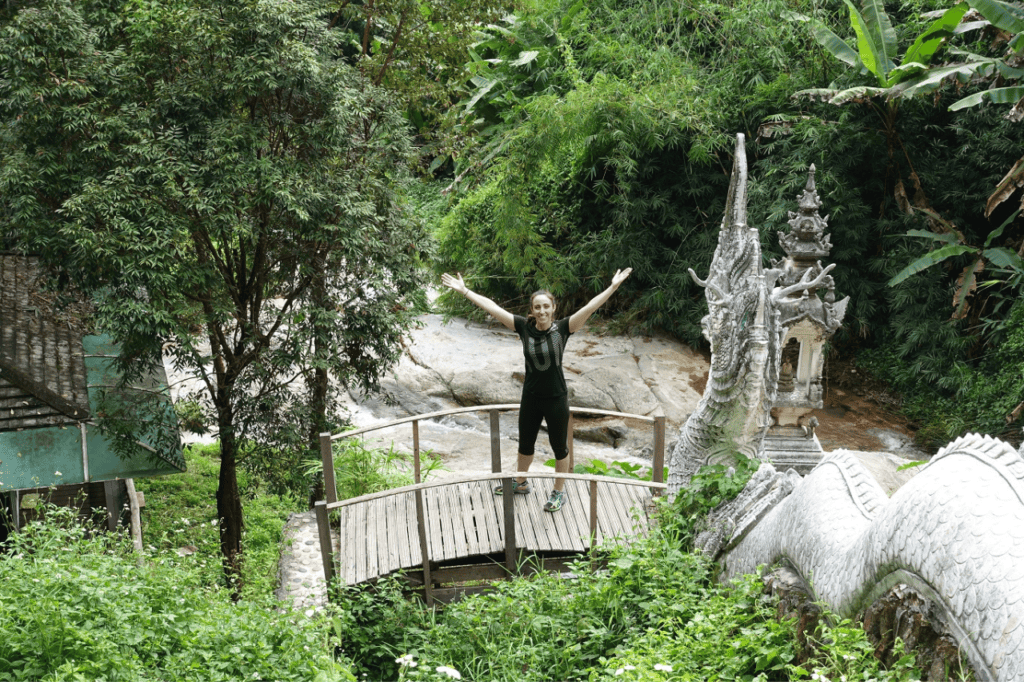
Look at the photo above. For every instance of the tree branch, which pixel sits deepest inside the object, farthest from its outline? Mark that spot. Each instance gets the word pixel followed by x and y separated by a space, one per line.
pixel 367 27
pixel 391 52
pixel 338 15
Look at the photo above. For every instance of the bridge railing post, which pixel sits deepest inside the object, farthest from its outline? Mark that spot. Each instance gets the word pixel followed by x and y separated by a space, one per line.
pixel 495 441
pixel 323 526
pixel 416 451
pixel 659 452
pixel 327 457
pixel 593 517
pixel 509 514
pixel 507 507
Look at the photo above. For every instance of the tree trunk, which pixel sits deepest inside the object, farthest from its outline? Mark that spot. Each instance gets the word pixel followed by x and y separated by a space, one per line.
pixel 229 504
pixel 317 385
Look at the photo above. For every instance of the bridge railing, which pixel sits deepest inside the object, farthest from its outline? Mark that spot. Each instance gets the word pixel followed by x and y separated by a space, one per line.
pixel 323 508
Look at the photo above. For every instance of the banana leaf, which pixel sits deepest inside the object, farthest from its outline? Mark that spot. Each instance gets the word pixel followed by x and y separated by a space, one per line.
pixel 929 259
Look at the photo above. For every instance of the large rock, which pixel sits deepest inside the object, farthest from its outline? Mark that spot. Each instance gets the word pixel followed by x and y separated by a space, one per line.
pixel 468 363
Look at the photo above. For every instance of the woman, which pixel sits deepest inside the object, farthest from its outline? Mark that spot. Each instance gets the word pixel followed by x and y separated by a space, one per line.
pixel 544 392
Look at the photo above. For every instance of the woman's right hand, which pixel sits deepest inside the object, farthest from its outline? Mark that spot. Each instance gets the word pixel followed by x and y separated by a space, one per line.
pixel 455 283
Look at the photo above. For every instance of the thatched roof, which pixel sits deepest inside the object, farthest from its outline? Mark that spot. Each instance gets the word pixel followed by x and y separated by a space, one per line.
pixel 42 370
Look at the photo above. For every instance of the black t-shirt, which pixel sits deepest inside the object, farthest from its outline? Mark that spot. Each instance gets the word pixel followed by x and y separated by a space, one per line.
pixel 543 352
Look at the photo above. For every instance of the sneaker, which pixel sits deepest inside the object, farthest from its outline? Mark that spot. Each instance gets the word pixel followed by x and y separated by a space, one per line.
pixel 555 501
pixel 517 487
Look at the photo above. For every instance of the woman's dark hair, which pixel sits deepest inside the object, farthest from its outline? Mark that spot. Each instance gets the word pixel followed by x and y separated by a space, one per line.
pixel 541 292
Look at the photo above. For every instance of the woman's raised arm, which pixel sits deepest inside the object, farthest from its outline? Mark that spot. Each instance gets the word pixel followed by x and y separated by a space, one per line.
pixel 455 283
pixel 580 317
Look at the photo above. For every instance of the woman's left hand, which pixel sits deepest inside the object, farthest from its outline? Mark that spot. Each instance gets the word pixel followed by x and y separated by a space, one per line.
pixel 620 276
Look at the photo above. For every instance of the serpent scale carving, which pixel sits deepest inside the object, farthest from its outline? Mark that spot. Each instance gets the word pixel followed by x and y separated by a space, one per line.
pixel 955 533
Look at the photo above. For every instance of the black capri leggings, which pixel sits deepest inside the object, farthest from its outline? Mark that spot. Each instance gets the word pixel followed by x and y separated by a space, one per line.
pixel 553 410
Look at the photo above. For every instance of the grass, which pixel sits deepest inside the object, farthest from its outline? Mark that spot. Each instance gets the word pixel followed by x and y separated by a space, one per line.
pixel 180 523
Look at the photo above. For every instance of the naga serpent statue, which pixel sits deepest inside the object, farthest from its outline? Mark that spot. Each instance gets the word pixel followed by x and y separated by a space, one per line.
pixel 744 329
pixel 954 533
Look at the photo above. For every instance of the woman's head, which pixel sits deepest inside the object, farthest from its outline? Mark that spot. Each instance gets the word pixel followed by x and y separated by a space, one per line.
pixel 542 308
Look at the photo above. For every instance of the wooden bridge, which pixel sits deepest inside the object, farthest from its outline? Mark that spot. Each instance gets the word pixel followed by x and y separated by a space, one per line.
pixel 457 530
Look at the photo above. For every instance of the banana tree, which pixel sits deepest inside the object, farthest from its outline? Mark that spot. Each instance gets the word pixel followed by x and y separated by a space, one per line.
pixel 1004 17
pixel 873 53
pixel 953 244
pixel 1000 71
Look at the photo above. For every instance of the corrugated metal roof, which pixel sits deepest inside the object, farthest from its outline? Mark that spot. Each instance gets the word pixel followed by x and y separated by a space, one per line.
pixel 41 349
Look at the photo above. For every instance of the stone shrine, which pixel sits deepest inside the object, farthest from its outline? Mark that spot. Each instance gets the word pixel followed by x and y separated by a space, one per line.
pixel 810 317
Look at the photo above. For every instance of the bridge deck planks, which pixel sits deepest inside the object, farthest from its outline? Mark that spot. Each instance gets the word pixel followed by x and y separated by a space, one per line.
pixel 465 519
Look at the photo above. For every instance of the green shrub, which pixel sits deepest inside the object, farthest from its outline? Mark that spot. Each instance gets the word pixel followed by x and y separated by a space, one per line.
pixel 709 487
pixel 180 523
pixel 656 613
pixel 361 470
pixel 78 606
pixel 978 396
pixel 617 469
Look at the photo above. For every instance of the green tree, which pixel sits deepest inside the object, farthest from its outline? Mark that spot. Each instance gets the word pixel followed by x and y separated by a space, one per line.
pixel 953 245
pixel 415 48
pixel 225 187
pixel 876 48
pixel 1001 72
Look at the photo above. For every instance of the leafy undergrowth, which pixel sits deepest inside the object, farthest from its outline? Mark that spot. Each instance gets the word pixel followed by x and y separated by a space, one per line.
pixel 180 524
pixel 656 613
pixel 78 606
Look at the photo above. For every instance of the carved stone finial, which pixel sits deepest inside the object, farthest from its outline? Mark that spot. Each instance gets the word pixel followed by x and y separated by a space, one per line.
pixel 809 200
pixel 807 240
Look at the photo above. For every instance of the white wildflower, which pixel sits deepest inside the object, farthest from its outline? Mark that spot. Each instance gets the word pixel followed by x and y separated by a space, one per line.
pixel 664 667
pixel 450 672
pixel 629 667
pixel 57 473
pixel 619 671
pixel 406 660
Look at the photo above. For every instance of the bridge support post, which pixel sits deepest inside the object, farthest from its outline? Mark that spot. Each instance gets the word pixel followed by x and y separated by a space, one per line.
pixel 508 511
pixel 659 453
pixel 593 517
pixel 323 525
pixel 421 527
pixel 327 457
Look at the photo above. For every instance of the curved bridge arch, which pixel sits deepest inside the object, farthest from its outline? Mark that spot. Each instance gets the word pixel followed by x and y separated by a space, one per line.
pixel 424 524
